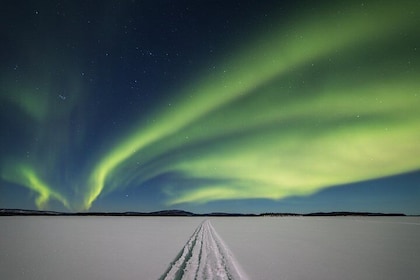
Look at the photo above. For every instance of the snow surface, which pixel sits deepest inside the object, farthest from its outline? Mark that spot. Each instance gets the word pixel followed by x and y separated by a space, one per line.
pixel 51 248
pixel 299 248
pixel 265 247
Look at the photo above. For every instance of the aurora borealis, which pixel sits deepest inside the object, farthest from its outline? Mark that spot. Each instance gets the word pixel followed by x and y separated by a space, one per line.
pixel 217 105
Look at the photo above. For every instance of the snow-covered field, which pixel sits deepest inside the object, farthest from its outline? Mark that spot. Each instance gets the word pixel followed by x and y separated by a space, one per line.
pixel 256 248
pixel 325 247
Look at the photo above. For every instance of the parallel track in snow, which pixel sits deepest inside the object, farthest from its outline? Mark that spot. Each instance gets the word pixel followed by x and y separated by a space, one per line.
pixel 205 256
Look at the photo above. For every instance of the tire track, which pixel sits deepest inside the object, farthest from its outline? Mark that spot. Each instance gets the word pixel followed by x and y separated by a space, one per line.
pixel 205 256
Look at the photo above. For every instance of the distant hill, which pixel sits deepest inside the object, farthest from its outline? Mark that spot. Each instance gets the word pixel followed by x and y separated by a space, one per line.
pixel 171 213
pixel 182 213
pixel 353 214
pixel 23 212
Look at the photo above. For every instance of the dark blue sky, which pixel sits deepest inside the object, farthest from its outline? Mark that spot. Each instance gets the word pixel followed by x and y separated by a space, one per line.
pixel 239 106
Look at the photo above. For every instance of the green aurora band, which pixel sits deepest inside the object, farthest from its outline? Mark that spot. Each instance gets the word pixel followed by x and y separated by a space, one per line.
pixel 50 141
pixel 326 100
pixel 259 139
pixel 25 176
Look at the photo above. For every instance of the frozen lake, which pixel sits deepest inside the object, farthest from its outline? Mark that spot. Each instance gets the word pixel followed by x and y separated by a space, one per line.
pixel 266 248
pixel 325 247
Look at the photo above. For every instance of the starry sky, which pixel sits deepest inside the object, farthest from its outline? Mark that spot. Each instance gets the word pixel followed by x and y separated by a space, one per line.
pixel 239 106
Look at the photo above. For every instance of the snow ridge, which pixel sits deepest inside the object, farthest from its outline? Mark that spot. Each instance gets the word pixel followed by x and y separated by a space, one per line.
pixel 205 256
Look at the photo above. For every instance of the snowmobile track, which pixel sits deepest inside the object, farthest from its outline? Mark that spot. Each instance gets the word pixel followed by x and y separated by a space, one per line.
pixel 205 256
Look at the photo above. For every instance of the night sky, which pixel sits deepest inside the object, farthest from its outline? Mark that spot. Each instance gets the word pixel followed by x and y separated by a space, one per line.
pixel 240 106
